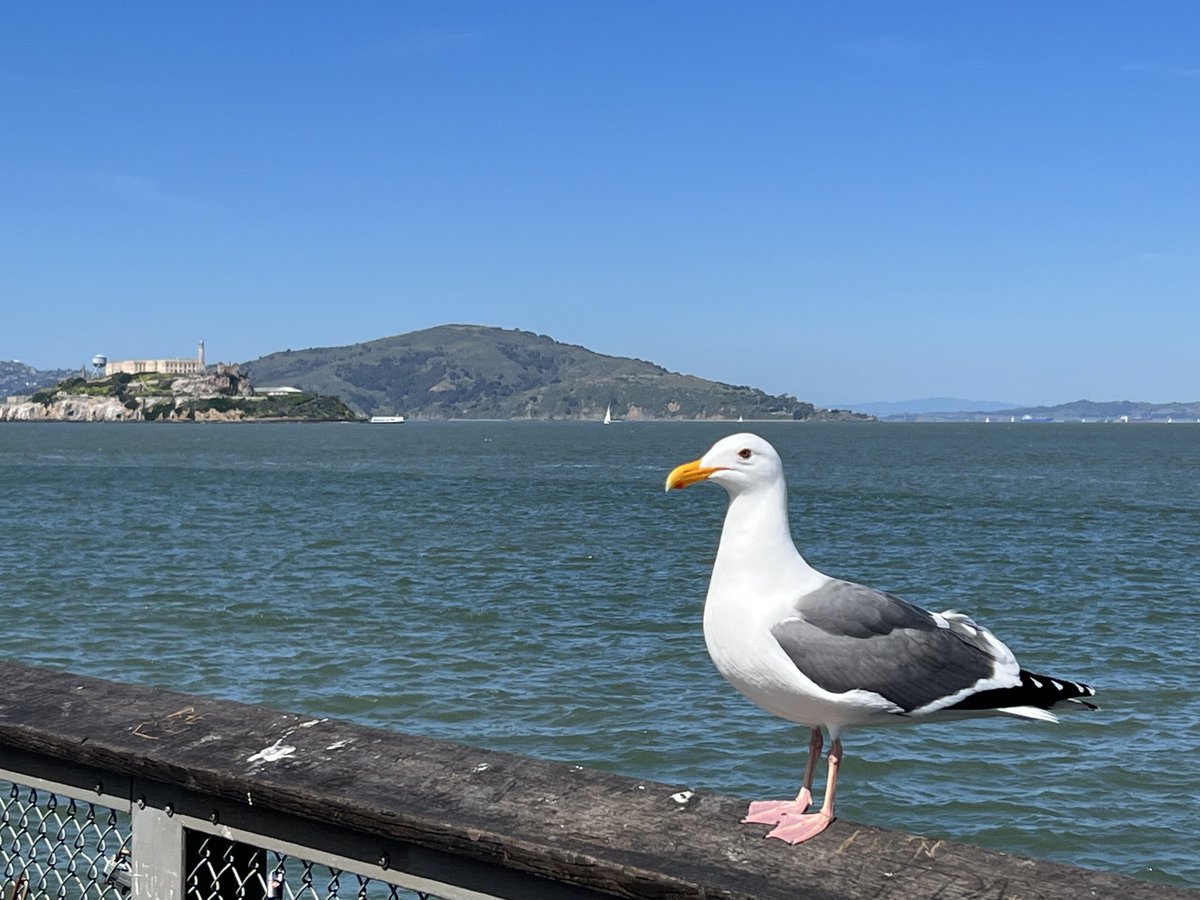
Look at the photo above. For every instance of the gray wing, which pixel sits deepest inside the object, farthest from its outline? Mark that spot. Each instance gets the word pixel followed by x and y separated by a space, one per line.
pixel 846 637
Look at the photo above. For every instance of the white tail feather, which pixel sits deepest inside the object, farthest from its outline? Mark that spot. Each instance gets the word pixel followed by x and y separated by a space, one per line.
pixel 1029 712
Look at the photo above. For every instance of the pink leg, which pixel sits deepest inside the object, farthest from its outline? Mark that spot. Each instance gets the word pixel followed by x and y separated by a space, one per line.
pixel 796 829
pixel 771 812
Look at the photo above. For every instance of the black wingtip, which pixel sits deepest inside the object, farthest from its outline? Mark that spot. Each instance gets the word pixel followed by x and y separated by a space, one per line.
pixel 1040 691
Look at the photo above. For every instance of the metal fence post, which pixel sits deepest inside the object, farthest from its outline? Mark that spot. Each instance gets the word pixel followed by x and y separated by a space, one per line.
pixel 158 854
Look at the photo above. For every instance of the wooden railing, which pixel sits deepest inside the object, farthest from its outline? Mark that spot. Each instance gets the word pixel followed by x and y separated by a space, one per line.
pixel 183 796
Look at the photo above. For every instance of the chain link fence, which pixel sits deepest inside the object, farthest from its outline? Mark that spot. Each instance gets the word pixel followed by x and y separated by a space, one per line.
pixel 222 869
pixel 56 846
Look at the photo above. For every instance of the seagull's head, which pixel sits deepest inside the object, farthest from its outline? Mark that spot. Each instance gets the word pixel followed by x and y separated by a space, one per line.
pixel 739 462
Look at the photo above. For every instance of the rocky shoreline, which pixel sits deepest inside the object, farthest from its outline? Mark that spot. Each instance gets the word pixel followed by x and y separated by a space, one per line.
pixel 218 396
pixel 70 409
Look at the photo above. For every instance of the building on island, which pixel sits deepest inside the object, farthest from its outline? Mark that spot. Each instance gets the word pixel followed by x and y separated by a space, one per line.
pixel 193 366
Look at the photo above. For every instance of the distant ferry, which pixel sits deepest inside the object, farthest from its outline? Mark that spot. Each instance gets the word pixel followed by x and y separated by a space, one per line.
pixel 386 420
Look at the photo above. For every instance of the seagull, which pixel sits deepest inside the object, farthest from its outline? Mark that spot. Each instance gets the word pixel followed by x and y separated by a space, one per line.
pixel 833 654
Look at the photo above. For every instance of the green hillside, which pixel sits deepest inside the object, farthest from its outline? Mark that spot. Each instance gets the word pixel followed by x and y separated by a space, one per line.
pixel 477 372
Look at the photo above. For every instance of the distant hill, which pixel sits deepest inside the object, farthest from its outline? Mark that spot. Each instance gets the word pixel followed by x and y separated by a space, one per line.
pixel 1112 409
pixel 930 405
pixel 18 379
pixel 478 372
pixel 1076 411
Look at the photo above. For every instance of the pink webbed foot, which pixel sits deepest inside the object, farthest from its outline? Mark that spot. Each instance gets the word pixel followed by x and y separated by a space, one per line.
pixel 793 824
pixel 772 812
pixel 797 829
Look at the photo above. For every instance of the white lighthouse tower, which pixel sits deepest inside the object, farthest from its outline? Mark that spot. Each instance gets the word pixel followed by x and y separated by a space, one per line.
pixel 200 355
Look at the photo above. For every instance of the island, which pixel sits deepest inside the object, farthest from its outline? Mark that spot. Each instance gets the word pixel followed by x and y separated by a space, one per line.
pixel 482 372
pixel 219 395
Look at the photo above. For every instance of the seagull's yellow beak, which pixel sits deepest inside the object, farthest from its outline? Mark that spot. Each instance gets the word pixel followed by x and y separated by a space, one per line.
pixel 689 473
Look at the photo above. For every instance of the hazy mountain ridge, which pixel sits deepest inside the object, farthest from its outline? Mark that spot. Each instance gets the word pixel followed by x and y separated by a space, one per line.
pixel 474 371
pixel 1075 411
pixel 1113 409
pixel 929 405
pixel 19 379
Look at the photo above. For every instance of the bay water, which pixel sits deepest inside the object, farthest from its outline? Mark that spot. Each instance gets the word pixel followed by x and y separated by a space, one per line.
pixel 530 587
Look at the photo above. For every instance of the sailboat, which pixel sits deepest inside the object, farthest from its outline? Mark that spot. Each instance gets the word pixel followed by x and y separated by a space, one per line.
pixel 608 415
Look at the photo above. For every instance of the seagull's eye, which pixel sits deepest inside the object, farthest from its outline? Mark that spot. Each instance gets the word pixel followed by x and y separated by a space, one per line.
pixel 745 453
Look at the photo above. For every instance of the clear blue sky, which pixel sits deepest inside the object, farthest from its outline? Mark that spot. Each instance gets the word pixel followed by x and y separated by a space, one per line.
pixel 844 201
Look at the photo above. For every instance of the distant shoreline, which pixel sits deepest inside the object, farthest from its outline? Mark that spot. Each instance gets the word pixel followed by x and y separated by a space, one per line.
pixel 586 422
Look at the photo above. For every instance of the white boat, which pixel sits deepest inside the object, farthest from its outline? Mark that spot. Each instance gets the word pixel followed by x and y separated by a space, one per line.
pixel 608 415
pixel 386 420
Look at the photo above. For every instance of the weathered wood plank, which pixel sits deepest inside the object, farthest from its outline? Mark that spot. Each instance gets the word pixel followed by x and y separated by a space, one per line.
pixel 591 829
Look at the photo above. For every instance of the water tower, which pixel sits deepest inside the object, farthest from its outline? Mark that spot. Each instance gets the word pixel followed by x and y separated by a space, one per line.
pixel 99 362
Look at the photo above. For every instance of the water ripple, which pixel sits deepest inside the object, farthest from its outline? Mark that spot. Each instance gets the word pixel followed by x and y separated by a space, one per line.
pixel 529 587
